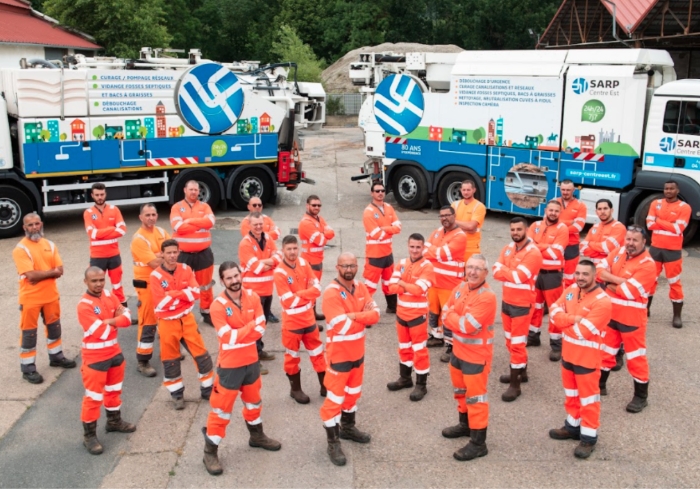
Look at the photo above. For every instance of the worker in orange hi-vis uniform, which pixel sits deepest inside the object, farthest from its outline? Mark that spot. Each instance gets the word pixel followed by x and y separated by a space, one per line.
pixel 550 235
pixel 192 221
pixel 349 309
pixel 444 249
pixel 239 321
pixel 298 288
pixel 629 274
pixel 314 233
pixel 174 291
pixel 381 224
pixel 573 214
pixel 145 251
pixel 259 257
pixel 469 217
pixel 667 220
pixel 412 279
pixel 269 226
pixel 517 267
pixel 100 314
pixel 470 313
pixel 105 225
pixel 582 314
pixel 38 266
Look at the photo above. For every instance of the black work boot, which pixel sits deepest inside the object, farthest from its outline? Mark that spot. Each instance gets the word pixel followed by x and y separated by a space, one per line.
pixel 211 456
pixel 259 439
pixel 421 388
pixel 619 359
pixel 555 352
pixel 639 401
pixel 321 378
pixel 445 357
pixel 460 429
pixel 90 440
pixel 649 299
pixel 63 363
pixel 348 431
pixel 206 318
pixel 513 391
pixel 604 374
pixel 116 423
pixel 145 369
pixel 677 308
pixel 404 382
pixel 475 448
pixel 505 379
pixel 390 304
pixel 584 449
pixel 296 393
pixel 318 316
pixel 533 339
pixel 335 452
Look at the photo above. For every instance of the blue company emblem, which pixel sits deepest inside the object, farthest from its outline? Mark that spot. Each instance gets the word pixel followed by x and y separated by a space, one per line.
pixel 94 217
pixel 182 209
pixel 616 258
pixel 594 230
pixel 343 294
pixel 508 252
pixel 399 104
pixel 569 296
pixel 667 144
pixel 229 311
pixel 164 284
pixel 402 270
pixel 290 280
pixel 579 86
pixel 209 98
pixel 457 294
pixel 97 310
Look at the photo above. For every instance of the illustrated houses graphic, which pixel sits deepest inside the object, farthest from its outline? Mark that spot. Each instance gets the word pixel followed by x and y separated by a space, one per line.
pixel 265 120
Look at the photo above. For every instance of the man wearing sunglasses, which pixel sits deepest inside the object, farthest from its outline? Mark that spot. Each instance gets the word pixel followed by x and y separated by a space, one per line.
pixel 256 205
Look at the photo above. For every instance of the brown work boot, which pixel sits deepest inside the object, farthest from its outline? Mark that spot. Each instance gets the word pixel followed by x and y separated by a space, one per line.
pixel 421 388
pixel 116 423
pixel 348 431
pixel 505 379
pixel 584 449
pixel 563 434
pixel 321 378
pixel 263 370
pixel 296 393
pixel 677 309
pixel 266 356
pixel 145 369
pixel 211 455
pixel 639 401
pixel 335 452
pixel 179 403
pixel 475 448
pixel 459 430
pixel 90 440
pixel 434 342
pixel 259 439
pixel 445 357
pixel 513 391
pixel 404 381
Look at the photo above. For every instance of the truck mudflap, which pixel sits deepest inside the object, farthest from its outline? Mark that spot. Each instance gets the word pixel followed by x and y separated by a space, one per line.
pixel 372 168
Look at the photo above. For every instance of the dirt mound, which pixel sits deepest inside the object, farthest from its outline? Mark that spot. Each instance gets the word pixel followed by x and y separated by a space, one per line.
pixel 336 80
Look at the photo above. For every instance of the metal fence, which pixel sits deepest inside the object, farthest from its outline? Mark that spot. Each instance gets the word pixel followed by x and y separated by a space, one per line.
pixel 344 103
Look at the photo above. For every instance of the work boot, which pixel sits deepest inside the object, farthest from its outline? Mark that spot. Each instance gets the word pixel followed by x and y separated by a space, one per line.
pixel 335 452
pixel 211 456
pixel 206 318
pixel 390 304
pixel 320 327
pixel 434 342
pixel 555 352
pixel 90 440
pixel 421 388
pixel 263 370
pixel 619 359
pixel 445 357
pixel 178 403
pixel 145 369
pixel 273 319
pixel 639 401
pixel 321 378
pixel 296 393
pixel 513 391
pixel 604 374
pixel 649 299
pixel 459 430
pixel 266 356
pixel 63 363
pixel 533 339
pixel 116 423
pixel 318 315
pixel 259 439
pixel 33 377
pixel 348 431
pixel 505 379
pixel 677 308
pixel 584 449
pixel 563 434
pixel 405 379
pixel 475 448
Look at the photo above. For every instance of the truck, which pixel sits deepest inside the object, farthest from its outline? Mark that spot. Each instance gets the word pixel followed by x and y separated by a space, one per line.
pixel 616 122
pixel 144 127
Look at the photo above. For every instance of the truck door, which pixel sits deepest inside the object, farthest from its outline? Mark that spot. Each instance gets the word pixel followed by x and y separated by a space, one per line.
pixel 665 136
pixel 686 159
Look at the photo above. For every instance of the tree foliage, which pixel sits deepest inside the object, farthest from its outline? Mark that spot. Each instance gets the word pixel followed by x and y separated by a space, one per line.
pixel 289 46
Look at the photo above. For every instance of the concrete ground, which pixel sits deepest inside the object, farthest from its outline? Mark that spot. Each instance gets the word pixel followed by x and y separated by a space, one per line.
pixel 41 435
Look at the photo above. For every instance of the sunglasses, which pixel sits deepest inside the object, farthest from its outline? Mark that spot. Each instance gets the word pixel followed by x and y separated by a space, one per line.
pixel 379 191
pixel 637 229
pixel 256 205
pixel 315 205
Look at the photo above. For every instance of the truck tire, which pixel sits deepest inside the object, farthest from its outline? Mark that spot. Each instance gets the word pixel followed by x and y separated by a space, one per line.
pixel 450 185
pixel 14 205
pixel 208 188
pixel 640 219
pixel 254 182
pixel 410 187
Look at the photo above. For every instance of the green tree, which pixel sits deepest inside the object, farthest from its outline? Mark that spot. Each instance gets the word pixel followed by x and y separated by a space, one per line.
pixel 181 130
pixel 45 135
pixel 289 47
pixel 63 136
pixel 143 132
pixel 98 132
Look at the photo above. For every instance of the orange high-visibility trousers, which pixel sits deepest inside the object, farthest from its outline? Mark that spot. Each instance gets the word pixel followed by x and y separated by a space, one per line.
pixel 223 398
pixel 344 389
pixel 436 299
pixel 635 341
pixel 292 340
pixel 413 336
pixel 470 392
pixel 103 385
pixel 206 284
pixel 516 323
pixel 147 325
pixel 582 402
pixel 671 262
pixel 372 275
pixel 115 277
pixel 28 325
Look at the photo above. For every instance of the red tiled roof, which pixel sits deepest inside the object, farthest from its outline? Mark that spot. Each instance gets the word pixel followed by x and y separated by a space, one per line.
pixel 631 13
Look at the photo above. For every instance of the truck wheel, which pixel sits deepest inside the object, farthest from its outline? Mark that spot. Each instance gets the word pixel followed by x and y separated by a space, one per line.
pixel 208 188
pixel 449 188
pixel 640 218
pixel 254 182
pixel 14 205
pixel 410 187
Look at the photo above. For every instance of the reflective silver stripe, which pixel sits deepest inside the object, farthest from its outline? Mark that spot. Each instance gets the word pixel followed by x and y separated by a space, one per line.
pixel 374 241
pixel 586 431
pixel 571 392
pixel 353 390
pixel 193 240
pixel 299 310
pixel 95 396
pixel 113 387
pixel 226 346
pixel 249 405
pixel 103 242
pixel 477 399
pixel 316 351
pixel 220 413
pixel 473 341
pixel 667 233
pixel 590 344
pixel 517 286
pixel 621 302
pixel 460 391
pixel 334 398
pixel 269 278
pixel 642 352
pixel 292 353
pixel 575 422
pixel 97 346
pixel 585 401
pixel 412 305
pixel 350 337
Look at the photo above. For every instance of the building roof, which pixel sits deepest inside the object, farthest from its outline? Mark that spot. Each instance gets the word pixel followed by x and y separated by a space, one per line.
pixel 19 24
pixel 630 13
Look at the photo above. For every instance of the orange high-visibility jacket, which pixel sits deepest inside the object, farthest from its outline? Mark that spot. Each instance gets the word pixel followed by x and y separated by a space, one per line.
pixel 631 297
pixel 380 226
pixel 192 236
pixel 581 338
pixel 314 234
pixel 99 338
pixel 40 256
pixel 174 293
pixel 518 269
pixel 238 328
pixel 446 252
pixel 254 277
pixel 419 276
pixel 104 228
pixel 551 241
pixel 269 227
pixel 474 211
pixel 603 238
pixel 470 315
pixel 667 221
pixel 573 215
pixel 298 288
pixel 345 338
pixel 144 246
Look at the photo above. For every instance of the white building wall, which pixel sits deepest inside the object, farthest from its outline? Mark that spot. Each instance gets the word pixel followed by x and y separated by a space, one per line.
pixel 10 54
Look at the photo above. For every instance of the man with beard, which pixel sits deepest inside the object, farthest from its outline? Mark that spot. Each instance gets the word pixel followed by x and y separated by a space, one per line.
pixel 469 217
pixel 517 268
pixel 573 214
pixel 581 314
pixel 38 266
pixel 239 321
pixel 349 308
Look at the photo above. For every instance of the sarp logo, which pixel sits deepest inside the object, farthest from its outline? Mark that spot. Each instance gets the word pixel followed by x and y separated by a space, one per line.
pixel 579 86
pixel 399 104
pixel 667 144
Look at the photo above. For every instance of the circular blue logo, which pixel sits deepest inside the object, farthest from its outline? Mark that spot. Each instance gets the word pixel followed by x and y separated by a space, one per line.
pixel 579 86
pixel 209 98
pixel 667 144
pixel 399 104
